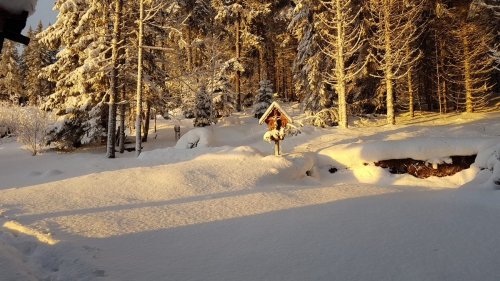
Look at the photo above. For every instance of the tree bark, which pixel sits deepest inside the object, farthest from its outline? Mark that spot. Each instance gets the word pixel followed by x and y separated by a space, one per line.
pixel 146 122
pixel 339 68
pixel 391 119
pixel 238 54
pixel 138 109
pixel 467 76
pixel 111 143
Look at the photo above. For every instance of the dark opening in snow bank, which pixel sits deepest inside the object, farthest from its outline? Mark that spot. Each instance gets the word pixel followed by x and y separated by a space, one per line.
pixel 423 169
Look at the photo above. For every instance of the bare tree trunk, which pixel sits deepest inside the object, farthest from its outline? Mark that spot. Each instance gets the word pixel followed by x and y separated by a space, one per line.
pixel 189 50
pixel 122 95
pixel 122 122
pixel 111 143
pixel 410 85
pixel 445 100
pixel 138 109
pixel 339 67
pixel 438 74
pixel 261 63
pixel 467 76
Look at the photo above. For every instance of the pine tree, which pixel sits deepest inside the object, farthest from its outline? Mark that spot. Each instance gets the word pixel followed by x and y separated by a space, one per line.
pixel 203 108
pixel 222 95
pixel 10 74
pixel 79 95
pixel 264 97
pixel 241 13
pixel 469 64
pixel 310 63
pixel 34 58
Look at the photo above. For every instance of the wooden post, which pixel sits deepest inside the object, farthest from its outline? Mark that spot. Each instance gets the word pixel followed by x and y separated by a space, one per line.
pixel 277 147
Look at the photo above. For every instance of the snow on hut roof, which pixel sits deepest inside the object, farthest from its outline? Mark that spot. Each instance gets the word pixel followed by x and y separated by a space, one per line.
pixel 270 109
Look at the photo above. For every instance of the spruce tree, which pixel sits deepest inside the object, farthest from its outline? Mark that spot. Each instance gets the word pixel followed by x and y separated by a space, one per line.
pixel 10 74
pixel 222 95
pixel 80 90
pixel 264 97
pixel 203 108
pixel 34 58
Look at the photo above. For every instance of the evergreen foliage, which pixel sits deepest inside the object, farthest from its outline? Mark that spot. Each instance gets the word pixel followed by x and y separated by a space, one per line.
pixel 264 97
pixel 34 58
pixel 203 109
pixel 337 57
pixel 10 74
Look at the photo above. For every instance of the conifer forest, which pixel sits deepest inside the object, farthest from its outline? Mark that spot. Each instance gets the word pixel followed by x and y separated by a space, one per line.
pixel 108 63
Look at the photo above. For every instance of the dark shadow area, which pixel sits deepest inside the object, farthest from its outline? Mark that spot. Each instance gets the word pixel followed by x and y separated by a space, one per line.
pixel 422 169
pixel 400 236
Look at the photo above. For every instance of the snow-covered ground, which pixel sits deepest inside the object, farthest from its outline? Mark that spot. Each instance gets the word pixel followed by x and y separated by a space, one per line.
pixel 231 210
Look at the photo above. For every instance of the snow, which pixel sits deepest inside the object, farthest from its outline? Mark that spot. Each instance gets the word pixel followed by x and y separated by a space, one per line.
pixel 229 209
pixel 16 7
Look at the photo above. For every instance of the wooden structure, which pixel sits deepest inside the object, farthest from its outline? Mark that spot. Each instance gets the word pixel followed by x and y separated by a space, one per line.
pixel 276 119
pixel 11 26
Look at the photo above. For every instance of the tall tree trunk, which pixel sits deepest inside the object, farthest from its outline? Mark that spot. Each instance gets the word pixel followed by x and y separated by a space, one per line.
pixel 138 109
pixel 113 93
pixel 467 76
pixel 410 85
pixel 122 121
pixel 146 122
pixel 238 54
pixel 391 119
pixel 189 50
pixel 438 73
pixel 261 63
pixel 283 75
pixel 445 100
pixel 339 68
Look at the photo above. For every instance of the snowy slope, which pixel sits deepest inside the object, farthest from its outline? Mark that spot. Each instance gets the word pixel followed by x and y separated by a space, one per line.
pixel 231 210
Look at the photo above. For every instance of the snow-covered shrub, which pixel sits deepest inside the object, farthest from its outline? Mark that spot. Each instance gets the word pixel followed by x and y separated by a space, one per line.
pixel 264 97
pixel 7 119
pixel 288 130
pixel 29 124
pixel 31 128
pixel 490 159
pixel 197 137
pixel 77 127
pixel 203 108
pixel 326 117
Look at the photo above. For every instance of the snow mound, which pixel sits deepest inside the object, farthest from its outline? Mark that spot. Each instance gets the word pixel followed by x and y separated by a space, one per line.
pixel 16 7
pixel 231 120
pixel 53 172
pixel 198 137
pixel 489 160
pixel 31 174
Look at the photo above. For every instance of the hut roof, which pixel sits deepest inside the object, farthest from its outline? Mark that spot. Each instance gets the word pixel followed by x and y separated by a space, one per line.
pixel 270 109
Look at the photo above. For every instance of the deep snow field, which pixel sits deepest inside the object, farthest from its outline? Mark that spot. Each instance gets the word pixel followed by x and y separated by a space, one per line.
pixel 231 210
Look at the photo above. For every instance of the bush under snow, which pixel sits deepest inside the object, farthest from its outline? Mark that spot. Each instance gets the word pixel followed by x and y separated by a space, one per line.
pixel 197 137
